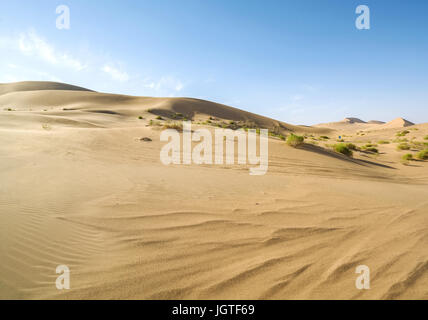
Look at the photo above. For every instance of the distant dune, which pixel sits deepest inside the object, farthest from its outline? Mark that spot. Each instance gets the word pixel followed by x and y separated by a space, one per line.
pixel 398 123
pixel 59 96
pixel 37 86
pixel 375 122
pixel 355 124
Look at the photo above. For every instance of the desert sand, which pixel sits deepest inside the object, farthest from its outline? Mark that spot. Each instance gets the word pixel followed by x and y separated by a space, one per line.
pixel 78 187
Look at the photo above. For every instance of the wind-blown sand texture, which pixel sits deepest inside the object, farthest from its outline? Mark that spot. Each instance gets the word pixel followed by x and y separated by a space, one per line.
pixel 79 188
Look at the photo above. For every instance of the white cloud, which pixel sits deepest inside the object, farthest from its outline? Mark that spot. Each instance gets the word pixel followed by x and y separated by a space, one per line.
pixel 166 85
pixel 31 48
pixel 14 73
pixel 31 44
pixel 297 97
pixel 115 73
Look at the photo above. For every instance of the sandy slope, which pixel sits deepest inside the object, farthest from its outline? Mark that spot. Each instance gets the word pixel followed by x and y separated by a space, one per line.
pixel 355 124
pixel 79 188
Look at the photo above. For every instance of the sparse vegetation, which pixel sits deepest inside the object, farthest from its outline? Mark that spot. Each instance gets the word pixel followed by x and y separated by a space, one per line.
pixel 140 117
pixel 402 133
pixel 343 149
pixel 407 157
pixel 324 137
pixel 426 138
pixel 154 123
pixel 295 140
pixel 351 146
pixel 277 135
pixel 372 149
pixel 173 125
pixel 383 142
pixel 422 155
pixel 46 126
pixel 159 118
pixel 403 146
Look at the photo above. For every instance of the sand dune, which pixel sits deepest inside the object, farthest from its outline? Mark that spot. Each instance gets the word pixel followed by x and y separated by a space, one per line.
pixel 355 124
pixel 37 86
pixel 79 187
pixel 60 99
pixel 398 123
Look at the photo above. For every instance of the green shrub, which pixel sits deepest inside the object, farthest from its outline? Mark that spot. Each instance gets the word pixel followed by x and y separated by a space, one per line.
pixel 402 133
pixel 426 138
pixel 383 142
pixel 343 149
pixel 403 146
pixel 351 146
pixel 407 157
pixel 140 117
pixel 173 125
pixel 423 155
pixel 295 140
pixel 372 149
pixel 159 118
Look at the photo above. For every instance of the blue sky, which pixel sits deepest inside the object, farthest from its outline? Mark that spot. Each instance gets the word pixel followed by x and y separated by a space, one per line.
pixel 303 62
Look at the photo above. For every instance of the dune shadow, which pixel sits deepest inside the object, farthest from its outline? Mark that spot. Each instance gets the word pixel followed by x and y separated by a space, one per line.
pixel 105 112
pixel 332 154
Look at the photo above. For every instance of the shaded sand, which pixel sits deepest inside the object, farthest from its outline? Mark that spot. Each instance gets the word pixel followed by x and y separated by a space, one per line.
pixel 78 187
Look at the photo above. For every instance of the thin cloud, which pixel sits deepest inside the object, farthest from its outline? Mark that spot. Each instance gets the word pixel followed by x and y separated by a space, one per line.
pixel 31 44
pixel 166 85
pixel 115 73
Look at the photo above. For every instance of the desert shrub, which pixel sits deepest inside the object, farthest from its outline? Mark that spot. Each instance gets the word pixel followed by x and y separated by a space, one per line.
pixel 403 146
pixel 383 142
pixel 324 137
pixel 159 118
pixel 343 149
pixel 407 157
pixel 418 145
pixel 154 123
pixel 140 117
pixel 173 125
pixel 351 146
pixel 423 155
pixel 402 133
pixel 294 140
pixel 426 138
pixel 46 126
pixel 372 149
pixel 277 135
